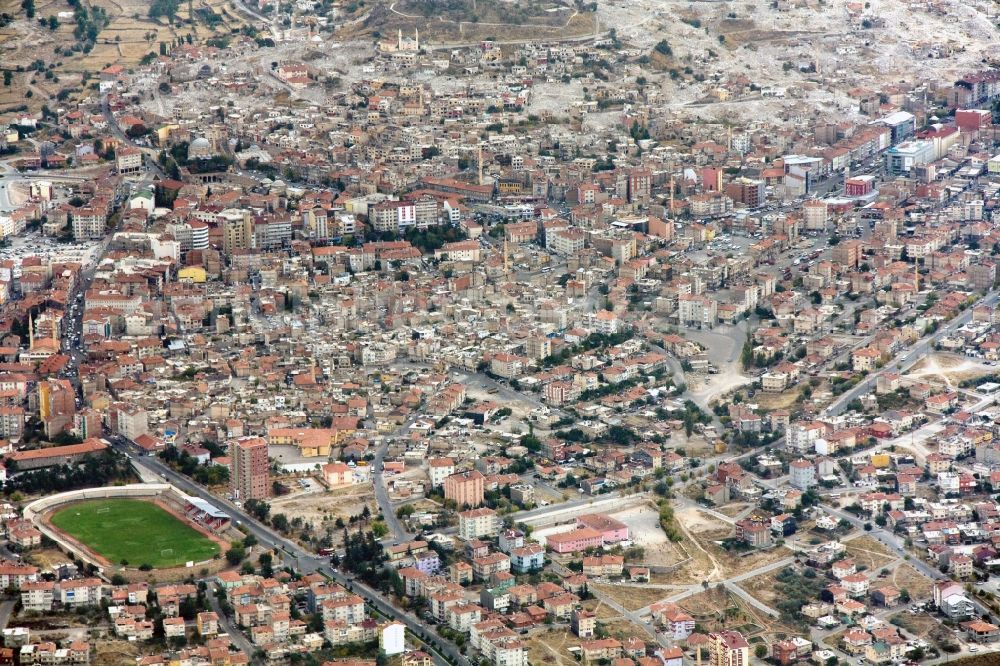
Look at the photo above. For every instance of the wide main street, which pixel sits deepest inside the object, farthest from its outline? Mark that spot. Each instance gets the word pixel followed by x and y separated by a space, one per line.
pixel 303 561
pixel 909 358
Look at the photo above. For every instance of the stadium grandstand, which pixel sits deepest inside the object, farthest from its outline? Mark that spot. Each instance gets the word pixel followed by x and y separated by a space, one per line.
pixel 206 514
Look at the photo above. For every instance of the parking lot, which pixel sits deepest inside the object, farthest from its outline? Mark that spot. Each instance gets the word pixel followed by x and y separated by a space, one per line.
pixel 33 244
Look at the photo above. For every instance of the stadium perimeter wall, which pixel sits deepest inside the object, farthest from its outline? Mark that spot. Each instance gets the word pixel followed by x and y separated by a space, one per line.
pixel 35 510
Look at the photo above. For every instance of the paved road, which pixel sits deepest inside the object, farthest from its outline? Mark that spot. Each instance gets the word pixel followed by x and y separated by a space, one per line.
pixel 910 358
pixel 305 562
pixel 399 533
pixel 11 175
pixel 116 130
pixel 226 624
pixel 895 544
pixel 747 575
pixel 6 610
pixel 752 600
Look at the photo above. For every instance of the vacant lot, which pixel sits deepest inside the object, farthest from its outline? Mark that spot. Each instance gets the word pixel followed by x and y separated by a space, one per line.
pixel 134 531
pixel 869 552
pixel 928 628
pixel 46 558
pixel 551 648
pixel 949 369
pixel 710 561
pixel 116 653
pixel 762 587
pixel 708 608
pixel 317 505
pixel 734 509
pixel 622 629
pixel 631 597
pixel 907 578
pixel 782 400
pixel 600 609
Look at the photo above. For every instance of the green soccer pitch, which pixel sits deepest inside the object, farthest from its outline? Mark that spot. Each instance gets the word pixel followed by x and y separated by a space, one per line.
pixel 133 530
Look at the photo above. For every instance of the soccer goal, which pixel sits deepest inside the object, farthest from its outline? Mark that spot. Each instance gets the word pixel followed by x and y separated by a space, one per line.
pixel 166 552
pixel 104 509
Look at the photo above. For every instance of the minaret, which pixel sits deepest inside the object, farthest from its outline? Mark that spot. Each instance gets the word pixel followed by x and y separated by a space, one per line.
pixel 31 332
pixel 479 159
pixel 416 38
pixel 670 213
pixel 399 40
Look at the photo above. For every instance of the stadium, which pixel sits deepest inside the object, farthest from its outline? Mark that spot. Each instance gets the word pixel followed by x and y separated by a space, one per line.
pixel 133 526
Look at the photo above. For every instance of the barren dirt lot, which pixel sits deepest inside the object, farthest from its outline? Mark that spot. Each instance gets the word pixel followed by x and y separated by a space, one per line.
pixel 46 558
pixel 709 561
pixel 949 369
pixel 695 446
pixel 734 509
pixel 601 609
pixel 632 597
pixel 551 648
pixel 870 553
pixel 782 400
pixel 116 653
pixel 644 528
pixel 316 507
pixel 762 587
pixel 905 577
pixel 622 629
pixel 924 626
pixel 708 607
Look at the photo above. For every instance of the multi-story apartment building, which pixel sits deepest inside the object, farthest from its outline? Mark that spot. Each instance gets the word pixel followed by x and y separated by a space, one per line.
pixel 465 488
pixel 476 523
pixel 128 160
pixel 728 648
pixel 88 223
pixel 250 468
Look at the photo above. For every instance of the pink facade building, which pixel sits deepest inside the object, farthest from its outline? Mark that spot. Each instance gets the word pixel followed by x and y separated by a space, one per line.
pixel 466 488
pixel 612 531
pixel 574 541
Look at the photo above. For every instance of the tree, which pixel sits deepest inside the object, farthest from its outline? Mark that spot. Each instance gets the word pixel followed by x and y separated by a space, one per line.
pixel 663 48
pixel 280 522
pixel 258 509
pixel 7 77
pixel 746 356
pixel 165 8
pixel 760 651
pixel 236 553
pixel 688 423
pixel 266 562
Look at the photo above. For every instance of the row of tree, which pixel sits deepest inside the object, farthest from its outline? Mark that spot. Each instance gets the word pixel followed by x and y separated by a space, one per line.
pixel 99 469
